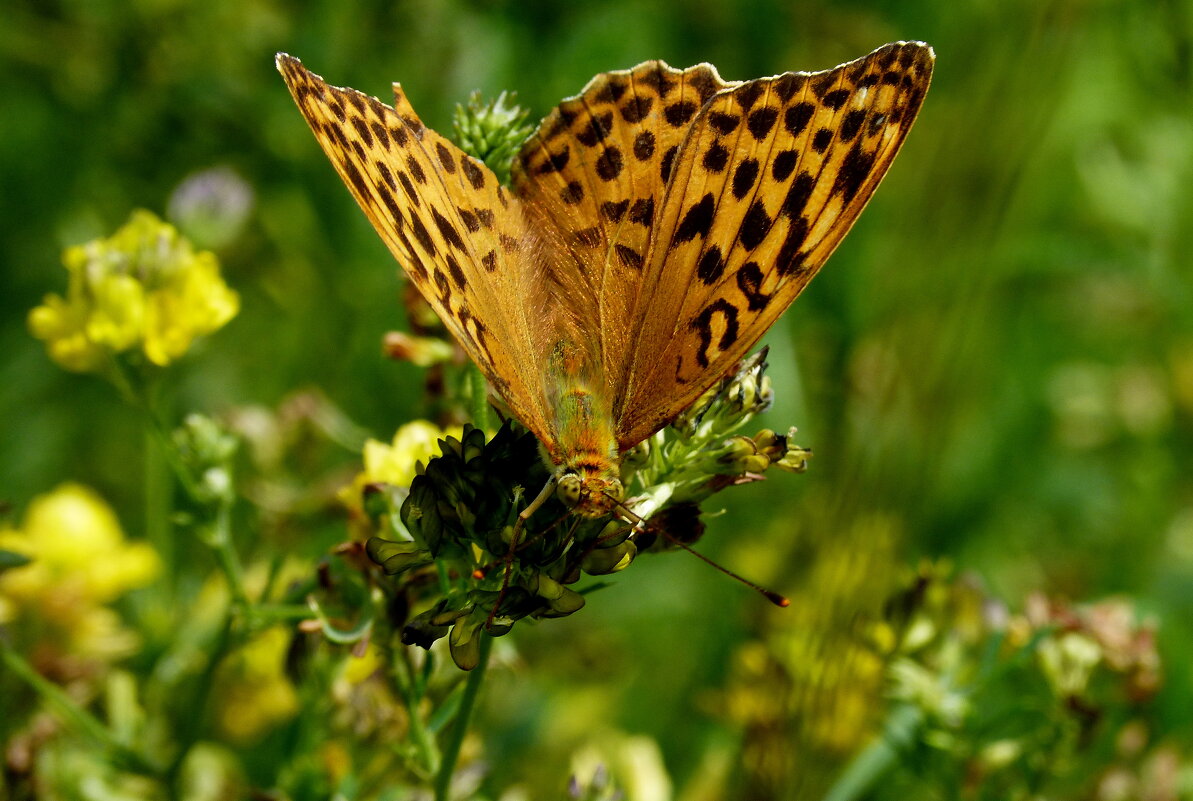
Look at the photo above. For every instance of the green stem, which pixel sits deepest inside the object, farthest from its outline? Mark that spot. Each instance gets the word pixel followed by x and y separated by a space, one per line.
pixel 219 536
pixel 159 507
pixel 424 743
pixel 455 736
pixel 903 725
pixel 220 540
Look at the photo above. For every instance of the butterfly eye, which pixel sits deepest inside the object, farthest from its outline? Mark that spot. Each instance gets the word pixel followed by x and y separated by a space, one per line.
pixel 568 490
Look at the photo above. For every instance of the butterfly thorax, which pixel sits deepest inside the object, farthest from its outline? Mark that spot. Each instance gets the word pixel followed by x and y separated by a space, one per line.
pixel 583 452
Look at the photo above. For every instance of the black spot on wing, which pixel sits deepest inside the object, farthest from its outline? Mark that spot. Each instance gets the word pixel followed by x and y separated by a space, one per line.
pixel 609 165
pixel 590 237
pixel 856 165
pixel 457 274
pixel 447 230
pixel 629 257
pixel 836 98
pixel 852 124
pixel 416 170
pixel 744 177
pixel 422 235
pixel 553 163
pixel 696 222
pixel 821 140
pixel 798 195
pixel 679 113
pixel 572 194
pixel 445 158
pixel 644 144
pixel 755 225
pixel 716 157
pixel 761 121
pixel 796 118
pixel 749 281
pixel 790 256
pixel 469 219
pixel 613 211
pixel 658 80
pixel 636 108
pixel 703 327
pixel 723 123
pixel 668 159
pixel 786 85
pixel 599 127
pixel 747 95
pixel 473 172
pixel 783 165
pixel 642 212
pixel 711 265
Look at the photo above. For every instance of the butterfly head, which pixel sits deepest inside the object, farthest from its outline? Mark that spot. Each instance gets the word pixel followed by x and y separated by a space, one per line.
pixel 593 493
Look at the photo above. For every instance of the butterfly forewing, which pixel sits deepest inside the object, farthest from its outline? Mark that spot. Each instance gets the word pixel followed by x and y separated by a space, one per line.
pixel 771 176
pixel 461 237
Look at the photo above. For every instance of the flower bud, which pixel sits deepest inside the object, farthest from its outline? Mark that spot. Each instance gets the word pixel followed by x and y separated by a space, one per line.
pixel 420 351
pixel 603 561
pixel 465 644
pixel 397 557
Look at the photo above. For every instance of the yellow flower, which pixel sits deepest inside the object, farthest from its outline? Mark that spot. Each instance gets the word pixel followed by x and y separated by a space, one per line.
pixel 79 561
pixel 145 286
pixel 255 693
pixel 359 668
pixel 394 462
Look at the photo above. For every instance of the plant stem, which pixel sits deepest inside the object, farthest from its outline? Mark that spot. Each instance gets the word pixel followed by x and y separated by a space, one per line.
pixel 902 726
pixel 159 508
pixel 220 540
pixel 455 736
pixel 428 754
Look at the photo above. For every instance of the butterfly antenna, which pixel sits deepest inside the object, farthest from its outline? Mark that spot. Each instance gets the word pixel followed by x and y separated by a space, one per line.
pixel 770 595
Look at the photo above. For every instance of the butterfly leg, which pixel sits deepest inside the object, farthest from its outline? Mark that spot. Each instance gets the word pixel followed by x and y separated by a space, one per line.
pixel 523 516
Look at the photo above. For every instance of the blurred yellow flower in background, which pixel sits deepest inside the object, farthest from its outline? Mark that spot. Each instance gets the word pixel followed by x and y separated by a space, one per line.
pixel 79 561
pixel 144 286
pixel 395 462
pixel 255 694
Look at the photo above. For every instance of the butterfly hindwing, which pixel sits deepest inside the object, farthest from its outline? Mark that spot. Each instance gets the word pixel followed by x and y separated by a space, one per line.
pixel 772 175
pixel 461 237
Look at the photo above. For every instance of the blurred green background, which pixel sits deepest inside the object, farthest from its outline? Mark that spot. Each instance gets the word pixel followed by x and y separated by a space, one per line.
pixel 996 366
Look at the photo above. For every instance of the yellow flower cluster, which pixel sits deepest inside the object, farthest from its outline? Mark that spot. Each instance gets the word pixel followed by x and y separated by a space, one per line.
pixel 79 561
pixel 145 286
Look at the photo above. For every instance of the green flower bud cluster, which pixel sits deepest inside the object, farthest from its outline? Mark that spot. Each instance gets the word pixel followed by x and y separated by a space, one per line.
pixel 206 450
pixel 492 131
pixel 699 455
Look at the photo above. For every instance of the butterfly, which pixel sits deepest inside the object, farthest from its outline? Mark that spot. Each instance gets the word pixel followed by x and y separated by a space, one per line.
pixel 656 226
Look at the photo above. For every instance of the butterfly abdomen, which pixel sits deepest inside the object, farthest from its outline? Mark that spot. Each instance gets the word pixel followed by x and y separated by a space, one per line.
pixel 583 438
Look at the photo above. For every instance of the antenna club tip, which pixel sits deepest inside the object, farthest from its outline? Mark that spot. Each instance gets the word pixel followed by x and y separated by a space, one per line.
pixel 776 599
